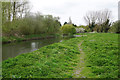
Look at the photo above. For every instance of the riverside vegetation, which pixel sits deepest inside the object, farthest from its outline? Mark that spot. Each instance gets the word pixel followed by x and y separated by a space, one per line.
pixel 59 60
pixel 18 23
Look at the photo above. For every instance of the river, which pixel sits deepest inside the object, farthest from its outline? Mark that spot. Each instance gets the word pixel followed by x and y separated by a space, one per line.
pixel 13 49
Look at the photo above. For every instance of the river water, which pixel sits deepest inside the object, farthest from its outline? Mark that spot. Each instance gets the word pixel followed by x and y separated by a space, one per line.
pixel 13 49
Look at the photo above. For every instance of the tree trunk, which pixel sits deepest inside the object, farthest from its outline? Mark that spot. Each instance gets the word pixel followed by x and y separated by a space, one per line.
pixel 14 13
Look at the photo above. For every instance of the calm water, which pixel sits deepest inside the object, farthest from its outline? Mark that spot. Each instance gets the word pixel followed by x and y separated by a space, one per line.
pixel 14 49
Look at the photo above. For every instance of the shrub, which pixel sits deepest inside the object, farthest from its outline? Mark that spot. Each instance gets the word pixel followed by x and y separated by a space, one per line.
pixel 68 29
pixel 87 29
pixel 115 27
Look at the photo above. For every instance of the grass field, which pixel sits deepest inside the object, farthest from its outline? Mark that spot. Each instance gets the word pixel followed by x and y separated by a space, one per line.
pixel 61 60
pixel 101 51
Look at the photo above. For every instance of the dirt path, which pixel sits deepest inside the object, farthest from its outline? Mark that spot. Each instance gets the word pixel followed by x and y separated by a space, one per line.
pixel 80 67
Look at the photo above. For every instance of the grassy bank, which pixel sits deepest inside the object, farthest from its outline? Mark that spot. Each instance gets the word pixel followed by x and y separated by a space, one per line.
pixel 60 59
pixel 56 60
pixel 10 39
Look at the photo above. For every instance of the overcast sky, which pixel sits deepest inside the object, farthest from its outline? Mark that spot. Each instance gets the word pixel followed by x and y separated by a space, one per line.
pixel 76 9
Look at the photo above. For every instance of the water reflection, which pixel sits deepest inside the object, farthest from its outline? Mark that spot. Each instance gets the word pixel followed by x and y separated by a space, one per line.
pixel 34 46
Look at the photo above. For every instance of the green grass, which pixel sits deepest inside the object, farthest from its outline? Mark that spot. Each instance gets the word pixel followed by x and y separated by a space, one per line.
pixel 0 70
pixel 101 55
pixel 11 39
pixel 60 59
pixel 17 39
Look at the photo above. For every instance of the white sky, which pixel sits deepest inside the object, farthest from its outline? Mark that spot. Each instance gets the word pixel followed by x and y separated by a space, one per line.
pixel 76 9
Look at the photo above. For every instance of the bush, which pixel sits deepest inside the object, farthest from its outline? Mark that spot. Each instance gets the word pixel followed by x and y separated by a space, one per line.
pixel 115 28
pixel 68 29
pixel 10 28
pixel 87 29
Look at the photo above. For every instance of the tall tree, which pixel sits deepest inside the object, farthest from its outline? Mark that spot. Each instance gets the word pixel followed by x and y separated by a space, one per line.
pixel 106 26
pixel 115 27
pixel 100 18
pixel 90 19
pixel 12 10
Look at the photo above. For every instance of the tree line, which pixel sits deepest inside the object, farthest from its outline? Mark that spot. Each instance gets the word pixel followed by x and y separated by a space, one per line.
pixel 18 20
pixel 100 21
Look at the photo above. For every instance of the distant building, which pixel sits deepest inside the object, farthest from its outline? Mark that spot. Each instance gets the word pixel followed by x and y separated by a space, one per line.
pixel 70 21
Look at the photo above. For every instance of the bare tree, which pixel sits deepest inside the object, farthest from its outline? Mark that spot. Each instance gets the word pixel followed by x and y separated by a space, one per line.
pixel 91 19
pixel 103 15
pixel 99 18
pixel 22 8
